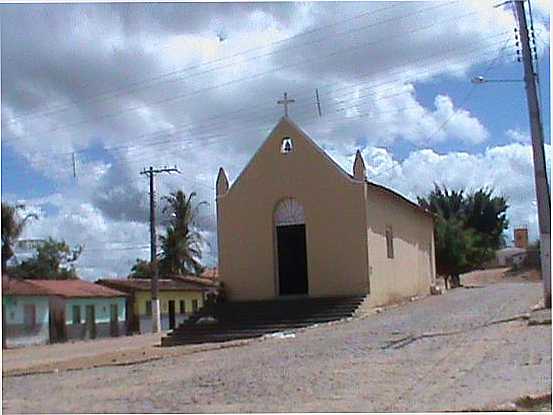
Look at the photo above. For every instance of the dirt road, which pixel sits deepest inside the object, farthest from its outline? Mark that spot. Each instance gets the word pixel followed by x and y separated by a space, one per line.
pixel 447 352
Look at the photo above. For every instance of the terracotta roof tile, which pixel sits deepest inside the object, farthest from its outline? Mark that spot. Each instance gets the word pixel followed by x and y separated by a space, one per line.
pixel 145 284
pixel 75 288
pixel 11 286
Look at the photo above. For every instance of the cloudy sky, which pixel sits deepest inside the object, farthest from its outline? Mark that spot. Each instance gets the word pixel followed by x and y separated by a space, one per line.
pixel 120 87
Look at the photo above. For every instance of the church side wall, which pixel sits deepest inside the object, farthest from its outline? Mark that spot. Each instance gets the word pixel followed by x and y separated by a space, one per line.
pixel 334 207
pixel 411 271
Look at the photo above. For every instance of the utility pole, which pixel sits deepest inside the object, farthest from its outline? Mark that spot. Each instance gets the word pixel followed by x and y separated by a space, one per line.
pixel 74 162
pixel 156 312
pixel 318 102
pixel 540 173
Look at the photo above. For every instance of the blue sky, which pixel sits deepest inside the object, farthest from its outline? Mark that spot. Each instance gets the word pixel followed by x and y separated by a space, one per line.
pixel 128 86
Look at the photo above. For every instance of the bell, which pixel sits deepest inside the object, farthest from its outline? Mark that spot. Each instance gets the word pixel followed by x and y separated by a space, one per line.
pixel 287 147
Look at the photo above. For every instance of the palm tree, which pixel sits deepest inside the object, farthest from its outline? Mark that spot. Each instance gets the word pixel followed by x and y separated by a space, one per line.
pixel 182 245
pixel 469 228
pixel 12 227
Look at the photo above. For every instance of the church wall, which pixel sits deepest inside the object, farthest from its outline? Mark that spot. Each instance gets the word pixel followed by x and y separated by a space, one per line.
pixel 411 271
pixel 335 209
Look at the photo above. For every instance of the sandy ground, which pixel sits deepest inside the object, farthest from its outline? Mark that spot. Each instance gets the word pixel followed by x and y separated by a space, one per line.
pixel 494 275
pixel 145 347
pixel 467 349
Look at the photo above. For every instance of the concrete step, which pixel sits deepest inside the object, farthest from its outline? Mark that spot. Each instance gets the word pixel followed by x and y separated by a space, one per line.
pixel 252 319
pixel 193 330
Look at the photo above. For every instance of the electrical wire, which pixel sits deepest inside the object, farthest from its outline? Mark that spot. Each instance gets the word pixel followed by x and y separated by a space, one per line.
pixel 249 78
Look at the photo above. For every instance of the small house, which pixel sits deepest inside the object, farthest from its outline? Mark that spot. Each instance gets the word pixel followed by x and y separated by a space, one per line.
pixel 81 310
pixel 510 257
pixel 25 314
pixel 179 298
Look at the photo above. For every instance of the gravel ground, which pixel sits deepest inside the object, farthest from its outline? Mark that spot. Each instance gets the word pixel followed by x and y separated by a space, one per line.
pixel 41 357
pixel 343 367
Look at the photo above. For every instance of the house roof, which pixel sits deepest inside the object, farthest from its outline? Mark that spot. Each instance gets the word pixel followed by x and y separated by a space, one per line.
pixel 510 251
pixel 75 289
pixel 130 285
pixel 211 273
pixel 208 279
pixel 11 286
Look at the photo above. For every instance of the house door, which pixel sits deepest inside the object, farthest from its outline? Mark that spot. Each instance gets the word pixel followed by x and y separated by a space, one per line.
pixel 29 316
pixel 292 260
pixel 114 320
pixel 90 322
pixel 171 314
pixel 56 322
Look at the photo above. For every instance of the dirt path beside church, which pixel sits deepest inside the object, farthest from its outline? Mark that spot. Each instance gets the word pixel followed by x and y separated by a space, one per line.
pixel 368 364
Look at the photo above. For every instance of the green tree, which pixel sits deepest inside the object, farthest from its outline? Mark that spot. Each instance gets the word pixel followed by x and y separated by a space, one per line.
pixel 469 228
pixel 54 261
pixel 454 248
pixel 12 227
pixel 181 246
pixel 142 269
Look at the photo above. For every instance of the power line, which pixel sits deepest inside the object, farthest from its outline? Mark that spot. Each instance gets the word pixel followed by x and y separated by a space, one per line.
pixel 453 114
pixel 226 121
pixel 248 78
pixel 272 44
pixel 213 139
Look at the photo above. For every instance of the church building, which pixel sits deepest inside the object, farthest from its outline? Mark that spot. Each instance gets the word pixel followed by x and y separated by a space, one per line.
pixel 294 224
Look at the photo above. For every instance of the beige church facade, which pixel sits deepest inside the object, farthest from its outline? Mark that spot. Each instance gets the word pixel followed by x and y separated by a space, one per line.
pixel 294 223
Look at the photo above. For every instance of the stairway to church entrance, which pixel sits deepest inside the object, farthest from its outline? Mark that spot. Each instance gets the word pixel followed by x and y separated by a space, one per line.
pixel 248 319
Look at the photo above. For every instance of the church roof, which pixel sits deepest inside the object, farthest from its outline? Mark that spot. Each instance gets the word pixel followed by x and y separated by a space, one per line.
pixel 400 197
pixel 384 189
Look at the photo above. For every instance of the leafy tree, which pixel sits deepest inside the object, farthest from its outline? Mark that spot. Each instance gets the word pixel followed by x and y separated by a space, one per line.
pixel 142 269
pixel 54 261
pixel 469 228
pixel 12 227
pixel 535 246
pixel 487 215
pixel 181 245
pixel 454 249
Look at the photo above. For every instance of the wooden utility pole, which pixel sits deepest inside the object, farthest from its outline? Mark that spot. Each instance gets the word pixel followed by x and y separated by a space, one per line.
pixel 540 173
pixel 156 312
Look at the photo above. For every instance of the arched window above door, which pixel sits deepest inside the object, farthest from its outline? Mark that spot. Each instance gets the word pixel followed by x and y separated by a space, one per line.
pixel 289 212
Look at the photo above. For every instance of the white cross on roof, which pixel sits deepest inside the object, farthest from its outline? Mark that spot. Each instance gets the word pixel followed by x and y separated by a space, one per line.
pixel 285 102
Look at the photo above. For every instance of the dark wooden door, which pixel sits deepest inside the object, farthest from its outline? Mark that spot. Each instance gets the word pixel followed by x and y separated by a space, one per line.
pixel 90 322
pixel 292 260
pixel 171 314
pixel 29 316
pixel 114 320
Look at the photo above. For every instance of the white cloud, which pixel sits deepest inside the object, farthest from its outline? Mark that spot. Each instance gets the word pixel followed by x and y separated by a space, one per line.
pixel 508 169
pixel 129 82
pixel 517 136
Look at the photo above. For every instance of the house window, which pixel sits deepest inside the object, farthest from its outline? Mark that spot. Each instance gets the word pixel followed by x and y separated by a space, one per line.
pixel 148 308
pixel 287 146
pixel 182 307
pixel 194 305
pixel 76 314
pixel 29 315
pixel 389 242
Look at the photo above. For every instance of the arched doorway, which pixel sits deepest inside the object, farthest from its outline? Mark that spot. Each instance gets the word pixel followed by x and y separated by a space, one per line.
pixel 291 248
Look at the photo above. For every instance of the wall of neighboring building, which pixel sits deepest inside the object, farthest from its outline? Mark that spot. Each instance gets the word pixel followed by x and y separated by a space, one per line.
pixel 18 333
pixel 335 221
pixel 102 313
pixel 145 319
pixel 411 271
